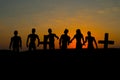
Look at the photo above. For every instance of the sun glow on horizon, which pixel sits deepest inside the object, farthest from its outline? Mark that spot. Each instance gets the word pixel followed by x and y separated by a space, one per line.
pixel 23 15
pixel 24 31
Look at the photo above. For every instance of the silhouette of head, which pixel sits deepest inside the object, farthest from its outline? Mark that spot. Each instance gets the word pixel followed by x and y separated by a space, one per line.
pixel 15 32
pixel 89 33
pixel 33 30
pixel 78 31
pixel 50 30
pixel 66 31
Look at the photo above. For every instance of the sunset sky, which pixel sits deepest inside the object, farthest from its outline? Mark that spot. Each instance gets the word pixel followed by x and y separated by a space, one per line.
pixel 97 16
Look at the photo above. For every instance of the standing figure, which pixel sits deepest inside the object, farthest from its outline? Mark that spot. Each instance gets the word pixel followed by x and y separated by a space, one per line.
pixel 32 38
pixel 16 42
pixel 90 39
pixel 51 37
pixel 78 36
pixel 64 40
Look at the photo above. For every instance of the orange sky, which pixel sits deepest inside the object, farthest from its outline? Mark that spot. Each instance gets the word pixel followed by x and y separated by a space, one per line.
pixel 58 29
pixel 97 16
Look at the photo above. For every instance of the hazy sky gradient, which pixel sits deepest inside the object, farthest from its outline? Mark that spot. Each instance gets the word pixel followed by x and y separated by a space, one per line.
pixel 98 16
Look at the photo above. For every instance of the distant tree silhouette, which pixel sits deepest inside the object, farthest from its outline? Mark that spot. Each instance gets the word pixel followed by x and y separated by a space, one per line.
pixel 64 40
pixel 31 40
pixel 78 36
pixel 16 42
pixel 90 39
pixel 51 37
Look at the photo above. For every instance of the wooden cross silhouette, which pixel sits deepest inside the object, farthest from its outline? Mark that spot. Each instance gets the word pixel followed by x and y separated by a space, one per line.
pixel 45 42
pixel 106 41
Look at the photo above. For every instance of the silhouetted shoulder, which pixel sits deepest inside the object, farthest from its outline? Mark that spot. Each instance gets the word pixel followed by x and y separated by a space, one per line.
pixel 32 35
pixel 92 38
pixel 65 37
pixel 29 35
pixel 19 37
pixel 16 38
pixel 53 34
pixel 36 35
pixel 78 35
pixel 62 36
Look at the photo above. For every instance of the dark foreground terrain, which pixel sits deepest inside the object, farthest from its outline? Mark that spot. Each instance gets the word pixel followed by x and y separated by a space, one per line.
pixel 100 56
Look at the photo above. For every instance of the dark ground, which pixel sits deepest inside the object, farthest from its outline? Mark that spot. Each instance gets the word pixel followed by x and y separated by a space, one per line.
pixel 71 56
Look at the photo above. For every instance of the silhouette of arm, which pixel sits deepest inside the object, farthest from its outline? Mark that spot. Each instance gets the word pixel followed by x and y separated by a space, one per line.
pixel 27 41
pixel 68 40
pixel 83 39
pixel 38 40
pixel 95 43
pixel 60 41
pixel 10 43
pixel 20 43
pixel 72 39
pixel 56 36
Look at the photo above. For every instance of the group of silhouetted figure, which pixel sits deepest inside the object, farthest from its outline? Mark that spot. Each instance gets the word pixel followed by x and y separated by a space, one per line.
pixel 64 40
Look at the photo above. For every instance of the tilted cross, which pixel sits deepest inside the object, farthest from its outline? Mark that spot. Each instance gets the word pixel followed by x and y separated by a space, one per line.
pixel 106 42
pixel 45 42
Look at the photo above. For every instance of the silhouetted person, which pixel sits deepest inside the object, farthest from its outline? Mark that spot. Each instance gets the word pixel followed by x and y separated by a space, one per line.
pixel 64 40
pixel 16 42
pixel 79 39
pixel 32 38
pixel 51 37
pixel 90 41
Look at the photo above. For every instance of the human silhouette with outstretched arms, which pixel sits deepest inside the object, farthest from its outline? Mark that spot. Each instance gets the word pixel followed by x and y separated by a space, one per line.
pixel 31 40
pixel 90 39
pixel 51 37
pixel 16 42
pixel 64 40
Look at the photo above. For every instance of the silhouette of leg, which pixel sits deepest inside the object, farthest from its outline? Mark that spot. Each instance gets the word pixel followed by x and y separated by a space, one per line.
pixel 34 48
pixel 30 48
pixel 78 46
pixel 51 46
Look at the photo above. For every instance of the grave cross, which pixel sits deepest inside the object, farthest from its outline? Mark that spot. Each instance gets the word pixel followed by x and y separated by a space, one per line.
pixel 106 41
pixel 45 42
